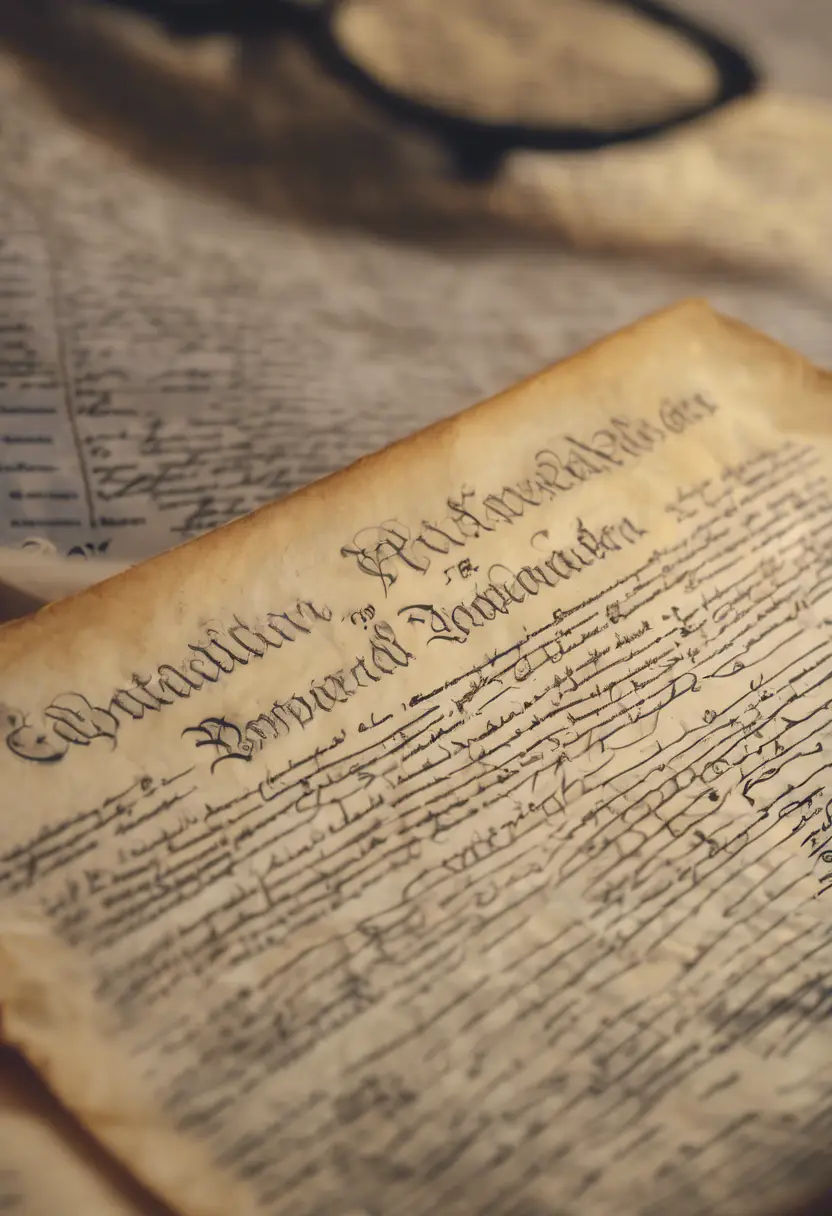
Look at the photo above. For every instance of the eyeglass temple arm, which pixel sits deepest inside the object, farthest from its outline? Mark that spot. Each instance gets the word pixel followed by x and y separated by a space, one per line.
pixel 237 18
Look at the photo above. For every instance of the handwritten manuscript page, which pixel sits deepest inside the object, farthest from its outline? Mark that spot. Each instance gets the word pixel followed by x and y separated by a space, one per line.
pixel 454 835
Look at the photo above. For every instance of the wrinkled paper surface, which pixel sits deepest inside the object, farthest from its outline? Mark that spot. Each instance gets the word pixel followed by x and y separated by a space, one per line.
pixel 454 835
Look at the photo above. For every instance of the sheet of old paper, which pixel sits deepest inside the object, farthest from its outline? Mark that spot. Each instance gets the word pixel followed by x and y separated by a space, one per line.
pixel 219 284
pixel 752 186
pixel 119 288
pixel 454 836
pixel 47 1165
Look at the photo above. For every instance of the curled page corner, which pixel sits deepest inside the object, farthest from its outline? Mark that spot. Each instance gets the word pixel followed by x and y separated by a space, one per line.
pixel 37 573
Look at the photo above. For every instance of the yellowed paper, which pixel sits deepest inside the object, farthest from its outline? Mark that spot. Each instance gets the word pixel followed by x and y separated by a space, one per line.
pixel 47 1165
pixel 453 836
pixel 750 186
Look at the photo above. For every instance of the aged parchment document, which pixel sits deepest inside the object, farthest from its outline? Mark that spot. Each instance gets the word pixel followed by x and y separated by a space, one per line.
pixel 454 835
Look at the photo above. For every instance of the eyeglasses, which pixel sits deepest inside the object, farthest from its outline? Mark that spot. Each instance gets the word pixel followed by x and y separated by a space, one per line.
pixel 412 60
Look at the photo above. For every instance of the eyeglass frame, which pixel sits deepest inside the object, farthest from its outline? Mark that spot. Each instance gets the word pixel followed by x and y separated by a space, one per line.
pixel 477 147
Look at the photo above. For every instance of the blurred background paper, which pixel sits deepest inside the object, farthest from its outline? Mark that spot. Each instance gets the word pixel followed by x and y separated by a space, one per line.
pixel 223 276
pixel 751 186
